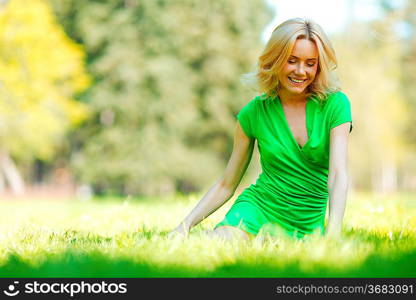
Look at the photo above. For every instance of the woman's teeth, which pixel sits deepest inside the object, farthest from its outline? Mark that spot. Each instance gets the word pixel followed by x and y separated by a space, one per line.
pixel 296 80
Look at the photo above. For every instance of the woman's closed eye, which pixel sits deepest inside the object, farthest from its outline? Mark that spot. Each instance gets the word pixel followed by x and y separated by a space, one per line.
pixel 291 61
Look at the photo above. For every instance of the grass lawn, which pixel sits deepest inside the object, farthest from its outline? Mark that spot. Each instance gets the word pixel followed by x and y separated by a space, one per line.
pixel 126 238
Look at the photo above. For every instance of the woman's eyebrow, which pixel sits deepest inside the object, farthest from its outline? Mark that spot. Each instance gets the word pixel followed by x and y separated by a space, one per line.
pixel 306 59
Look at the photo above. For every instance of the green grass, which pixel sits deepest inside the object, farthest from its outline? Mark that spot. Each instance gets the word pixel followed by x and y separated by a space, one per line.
pixel 127 238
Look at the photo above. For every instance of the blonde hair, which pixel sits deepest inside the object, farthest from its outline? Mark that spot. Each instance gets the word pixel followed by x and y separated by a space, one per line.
pixel 279 48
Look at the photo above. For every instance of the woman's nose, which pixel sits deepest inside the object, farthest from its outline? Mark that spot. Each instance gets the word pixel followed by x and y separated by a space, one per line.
pixel 300 69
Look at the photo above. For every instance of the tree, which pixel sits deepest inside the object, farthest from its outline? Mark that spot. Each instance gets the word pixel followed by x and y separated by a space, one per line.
pixel 166 89
pixel 408 78
pixel 369 55
pixel 41 70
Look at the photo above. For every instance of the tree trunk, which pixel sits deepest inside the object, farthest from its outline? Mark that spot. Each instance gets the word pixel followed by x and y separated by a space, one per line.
pixel 11 173
pixel 375 178
pixel 2 183
pixel 389 176
pixel 384 177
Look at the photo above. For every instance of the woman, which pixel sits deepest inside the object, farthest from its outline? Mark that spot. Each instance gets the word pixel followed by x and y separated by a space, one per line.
pixel 301 122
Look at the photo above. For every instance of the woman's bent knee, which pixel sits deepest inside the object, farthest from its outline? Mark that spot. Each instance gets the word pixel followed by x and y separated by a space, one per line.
pixel 231 232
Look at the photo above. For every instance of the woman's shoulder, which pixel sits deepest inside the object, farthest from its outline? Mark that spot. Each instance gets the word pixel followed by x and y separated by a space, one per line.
pixel 261 98
pixel 258 101
pixel 336 96
pixel 334 99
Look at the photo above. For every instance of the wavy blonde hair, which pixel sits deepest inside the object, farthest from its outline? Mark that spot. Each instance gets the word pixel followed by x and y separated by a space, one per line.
pixel 279 48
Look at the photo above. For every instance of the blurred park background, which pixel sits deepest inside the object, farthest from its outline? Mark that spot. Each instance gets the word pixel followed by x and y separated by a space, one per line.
pixel 139 97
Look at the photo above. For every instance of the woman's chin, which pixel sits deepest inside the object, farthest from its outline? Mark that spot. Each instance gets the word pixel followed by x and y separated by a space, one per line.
pixel 295 90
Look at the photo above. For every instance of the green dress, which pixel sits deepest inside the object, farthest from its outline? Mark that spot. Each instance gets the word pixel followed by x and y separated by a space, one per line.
pixel 290 195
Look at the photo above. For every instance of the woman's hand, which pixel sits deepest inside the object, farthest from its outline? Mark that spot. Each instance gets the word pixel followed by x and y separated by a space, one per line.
pixel 181 230
pixel 333 232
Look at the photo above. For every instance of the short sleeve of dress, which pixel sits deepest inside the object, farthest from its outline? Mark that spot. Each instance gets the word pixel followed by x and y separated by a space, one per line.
pixel 340 110
pixel 248 118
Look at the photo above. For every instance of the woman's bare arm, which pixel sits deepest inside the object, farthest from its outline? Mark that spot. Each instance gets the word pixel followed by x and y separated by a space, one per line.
pixel 337 178
pixel 225 187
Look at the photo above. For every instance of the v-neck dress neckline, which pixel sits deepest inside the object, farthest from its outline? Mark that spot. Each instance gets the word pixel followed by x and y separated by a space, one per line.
pixel 308 131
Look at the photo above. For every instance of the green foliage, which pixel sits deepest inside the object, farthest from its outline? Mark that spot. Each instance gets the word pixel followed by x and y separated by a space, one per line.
pixel 369 68
pixel 166 89
pixel 128 239
pixel 41 70
pixel 408 66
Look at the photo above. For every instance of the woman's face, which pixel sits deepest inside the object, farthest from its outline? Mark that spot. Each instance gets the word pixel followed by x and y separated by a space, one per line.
pixel 300 69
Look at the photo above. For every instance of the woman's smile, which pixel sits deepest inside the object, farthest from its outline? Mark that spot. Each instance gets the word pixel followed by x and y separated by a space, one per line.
pixel 297 82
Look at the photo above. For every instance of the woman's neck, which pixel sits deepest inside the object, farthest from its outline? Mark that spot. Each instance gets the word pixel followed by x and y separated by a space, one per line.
pixel 289 99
